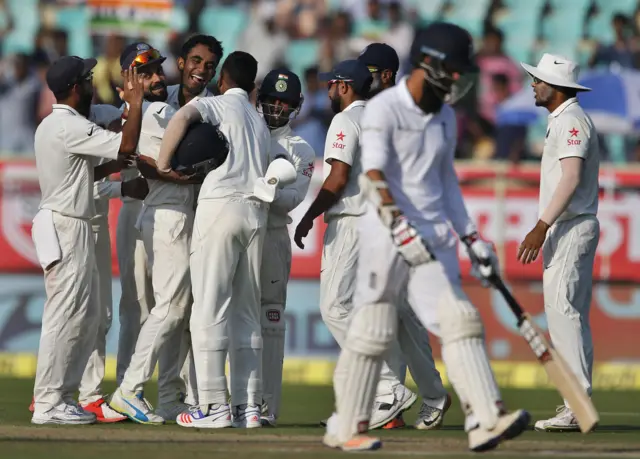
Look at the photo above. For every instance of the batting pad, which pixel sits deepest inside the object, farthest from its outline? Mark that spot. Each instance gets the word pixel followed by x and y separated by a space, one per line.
pixel 465 357
pixel 273 336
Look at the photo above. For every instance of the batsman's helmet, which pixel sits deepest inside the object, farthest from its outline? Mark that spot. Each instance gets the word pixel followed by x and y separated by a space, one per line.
pixel 282 85
pixel 202 149
pixel 451 69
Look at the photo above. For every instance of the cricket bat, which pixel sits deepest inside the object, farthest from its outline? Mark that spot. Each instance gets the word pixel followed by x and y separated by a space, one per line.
pixel 557 369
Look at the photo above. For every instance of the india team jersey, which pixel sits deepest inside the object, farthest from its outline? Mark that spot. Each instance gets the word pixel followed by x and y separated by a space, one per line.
pixel 570 134
pixel 415 151
pixel 155 118
pixel 174 90
pixel 343 144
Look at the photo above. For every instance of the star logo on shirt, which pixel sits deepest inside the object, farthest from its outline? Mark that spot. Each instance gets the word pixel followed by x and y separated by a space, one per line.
pixel 340 136
pixel 574 132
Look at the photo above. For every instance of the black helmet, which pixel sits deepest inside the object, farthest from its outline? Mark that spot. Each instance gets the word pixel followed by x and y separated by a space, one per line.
pixel 202 149
pixel 285 86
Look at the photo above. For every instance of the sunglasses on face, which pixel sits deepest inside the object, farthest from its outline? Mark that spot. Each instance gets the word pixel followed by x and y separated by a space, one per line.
pixel 536 80
pixel 145 57
pixel 332 82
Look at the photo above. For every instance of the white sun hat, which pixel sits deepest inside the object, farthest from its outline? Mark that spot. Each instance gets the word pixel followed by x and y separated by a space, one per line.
pixel 557 71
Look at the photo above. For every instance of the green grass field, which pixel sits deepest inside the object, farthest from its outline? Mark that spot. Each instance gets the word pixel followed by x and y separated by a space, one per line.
pixel 299 434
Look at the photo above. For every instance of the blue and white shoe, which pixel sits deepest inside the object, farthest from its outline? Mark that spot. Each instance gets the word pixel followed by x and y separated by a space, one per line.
pixel 135 407
pixel 206 417
pixel 66 414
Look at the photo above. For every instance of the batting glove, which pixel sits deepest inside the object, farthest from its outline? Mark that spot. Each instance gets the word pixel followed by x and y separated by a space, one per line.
pixel 409 243
pixel 484 261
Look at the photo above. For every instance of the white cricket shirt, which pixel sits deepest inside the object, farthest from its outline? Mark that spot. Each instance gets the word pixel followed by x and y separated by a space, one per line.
pixel 570 133
pixel 173 92
pixel 155 118
pixel 249 145
pixel 302 156
pixel 67 146
pixel 415 151
pixel 343 144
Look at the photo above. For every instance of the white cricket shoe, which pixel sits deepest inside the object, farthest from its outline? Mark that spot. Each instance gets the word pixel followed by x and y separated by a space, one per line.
pixel 246 416
pixel 356 443
pixel 170 411
pixel 268 420
pixel 509 426
pixel 214 416
pixel 385 412
pixel 431 418
pixel 135 407
pixel 64 414
pixel 563 421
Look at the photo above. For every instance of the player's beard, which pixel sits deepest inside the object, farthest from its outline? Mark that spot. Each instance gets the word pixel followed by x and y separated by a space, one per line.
pixel 336 104
pixel 543 95
pixel 431 101
pixel 376 86
pixel 157 92
pixel 85 103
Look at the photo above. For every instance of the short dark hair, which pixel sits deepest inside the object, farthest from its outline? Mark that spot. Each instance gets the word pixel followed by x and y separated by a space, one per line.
pixel 569 93
pixel 240 69
pixel 209 41
pixel 500 79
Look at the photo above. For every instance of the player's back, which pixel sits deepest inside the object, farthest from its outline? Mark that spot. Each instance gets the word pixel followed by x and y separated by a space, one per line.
pixel 415 151
pixel 249 145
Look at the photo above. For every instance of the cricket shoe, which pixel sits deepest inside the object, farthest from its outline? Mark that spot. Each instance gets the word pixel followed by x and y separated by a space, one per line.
pixel 246 416
pixel 383 412
pixel 104 413
pixel 266 419
pixel 64 414
pixel 563 421
pixel 509 426
pixel 32 406
pixel 170 411
pixel 214 416
pixel 431 418
pixel 396 423
pixel 135 407
pixel 358 442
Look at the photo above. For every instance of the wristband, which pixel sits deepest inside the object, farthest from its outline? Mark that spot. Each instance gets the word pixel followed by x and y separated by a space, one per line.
pixel 470 238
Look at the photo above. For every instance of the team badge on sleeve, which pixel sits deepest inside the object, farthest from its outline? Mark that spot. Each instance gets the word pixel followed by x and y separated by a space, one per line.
pixel 308 170
pixel 574 133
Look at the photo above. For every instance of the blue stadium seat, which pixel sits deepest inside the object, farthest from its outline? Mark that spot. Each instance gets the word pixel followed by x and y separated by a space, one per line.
pixel 609 7
pixel 26 21
pixel 469 14
pixel 302 54
pixel 75 21
pixel 557 29
pixel 599 28
pixel 225 23
pixel 179 19
pixel 427 10
pixel 519 6
pixel 520 33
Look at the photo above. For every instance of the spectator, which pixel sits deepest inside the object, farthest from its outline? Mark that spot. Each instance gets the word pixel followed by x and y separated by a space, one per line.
pixel 106 74
pixel 374 26
pixel 336 42
pixel 492 60
pixel 400 33
pixel 314 117
pixel 262 38
pixel 19 90
pixel 509 140
pixel 300 17
pixel 623 51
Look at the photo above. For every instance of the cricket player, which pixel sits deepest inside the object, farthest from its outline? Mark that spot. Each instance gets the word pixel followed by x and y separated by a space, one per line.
pixel 67 146
pixel 341 201
pixel 226 250
pixel 411 189
pixel 91 395
pixel 197 63
pixel 383 63
pixel 568 229
pixel 279 101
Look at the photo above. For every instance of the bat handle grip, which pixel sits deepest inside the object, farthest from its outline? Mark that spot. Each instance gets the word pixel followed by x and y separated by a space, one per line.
pixel 498 283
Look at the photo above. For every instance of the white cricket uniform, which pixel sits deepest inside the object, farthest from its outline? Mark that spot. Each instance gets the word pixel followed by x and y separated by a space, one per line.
pixel 67 147
pixel 185 365
pixel 339 267
pixel 415 152
pixel 165 223
pixel 570 248
pixel 276 260
pixel 226 252
pixel 103 191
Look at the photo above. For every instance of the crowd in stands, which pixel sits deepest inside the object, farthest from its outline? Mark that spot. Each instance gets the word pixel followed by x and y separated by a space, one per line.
pixel 309 36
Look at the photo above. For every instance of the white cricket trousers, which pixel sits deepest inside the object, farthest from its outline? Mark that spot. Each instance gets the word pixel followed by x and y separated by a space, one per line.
pixel 274 276
pixel 90 387
pixel 226 252
pixel 337 289
pixel 71 315
pixel 137 292
pixel 166 233
pixel 568 255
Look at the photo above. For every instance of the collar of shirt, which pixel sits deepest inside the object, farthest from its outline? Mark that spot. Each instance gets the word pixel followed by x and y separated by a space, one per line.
pixel 356 103
pixel 238 91
pixel 562 107
pixel 67 108
pixel 281 131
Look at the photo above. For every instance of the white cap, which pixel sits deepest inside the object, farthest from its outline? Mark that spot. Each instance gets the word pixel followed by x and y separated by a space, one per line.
pixel 556 71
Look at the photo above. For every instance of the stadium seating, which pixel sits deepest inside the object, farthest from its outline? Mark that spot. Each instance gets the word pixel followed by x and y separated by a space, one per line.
pixel 75 21
pixel 26 21
pixel 226 23
pixel 301 54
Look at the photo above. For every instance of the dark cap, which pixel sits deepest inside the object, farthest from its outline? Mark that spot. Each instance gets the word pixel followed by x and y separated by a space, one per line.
pixel 132 51
pixel 282 84
pixel 351 71
pixel 381 56
pixel 203 148
pixel 67 71
pixel 447 42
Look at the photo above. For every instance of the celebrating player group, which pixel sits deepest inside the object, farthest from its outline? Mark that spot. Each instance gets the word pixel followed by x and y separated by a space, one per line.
pixel 207 185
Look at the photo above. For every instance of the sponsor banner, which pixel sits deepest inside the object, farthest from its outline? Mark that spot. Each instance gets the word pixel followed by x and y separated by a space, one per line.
pixel 130 17
pixel 615 319
pixel 503 202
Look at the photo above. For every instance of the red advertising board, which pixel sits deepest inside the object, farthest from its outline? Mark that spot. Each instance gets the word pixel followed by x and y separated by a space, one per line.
pixel 502 201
